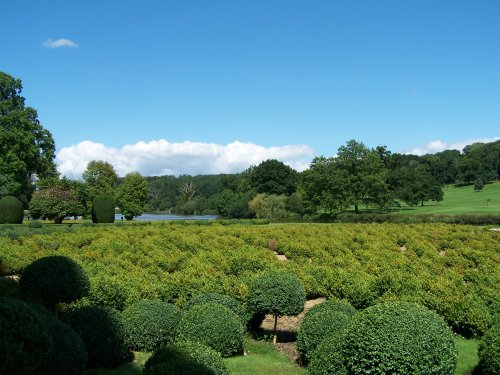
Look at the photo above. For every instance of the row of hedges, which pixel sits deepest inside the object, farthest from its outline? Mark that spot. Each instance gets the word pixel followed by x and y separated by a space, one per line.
pixel 451 269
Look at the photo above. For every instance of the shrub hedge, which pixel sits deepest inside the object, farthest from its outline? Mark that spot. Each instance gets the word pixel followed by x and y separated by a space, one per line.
pixel 332 305
pixel 186 358
pixel 25 341
pixel 214 325
pixel 399 338
pixel 327 358
pixel 150 324
pixel 102 333
pixel 54 279
pixel 223 300
pixel 11 210
pixel 489 351
pixel 317 327
pixel 68 355
pixel 103 209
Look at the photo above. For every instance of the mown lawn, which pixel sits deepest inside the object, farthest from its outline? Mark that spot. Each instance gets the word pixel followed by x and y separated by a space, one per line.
pixel 461 200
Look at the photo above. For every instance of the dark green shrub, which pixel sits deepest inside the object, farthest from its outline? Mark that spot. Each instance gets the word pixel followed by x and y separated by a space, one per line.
pixel 277 293
pixel 186 358
pixel 11 210
pixel 68 355
pixel 489 351
pixel 35 224
pixel 333 305
pixel 317 327
pixel 9 288
pixel 25 341
pixel 103 209
pixel 399 338
pixel 223 300
pixel 150 324
pixel 327 358
pixel 54 279
pixel 214 325
pixel 103 335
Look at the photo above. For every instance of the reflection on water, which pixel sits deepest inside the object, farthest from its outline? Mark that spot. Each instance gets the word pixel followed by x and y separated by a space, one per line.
pixel 158 217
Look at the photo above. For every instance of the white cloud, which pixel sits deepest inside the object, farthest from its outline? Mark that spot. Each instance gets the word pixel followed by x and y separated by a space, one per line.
pixel 437 146
pixel 161 157
pixel 49 43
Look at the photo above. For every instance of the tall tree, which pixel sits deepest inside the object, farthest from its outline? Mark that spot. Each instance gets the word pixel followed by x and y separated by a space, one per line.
pixel 366 175
pixel 273 177
pixel 26 148
pixel 100 177
pixel 131 195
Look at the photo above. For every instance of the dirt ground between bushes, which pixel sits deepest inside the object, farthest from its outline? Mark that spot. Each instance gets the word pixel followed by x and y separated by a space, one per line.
pixel 287 329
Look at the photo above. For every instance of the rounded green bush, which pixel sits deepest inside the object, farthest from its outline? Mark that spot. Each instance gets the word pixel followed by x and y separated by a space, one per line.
pixel 223 300
pixel 317 327
pixel 9 288
pixel 68 355
pixel 103 335
pixel 11 210
pixel 333 305
pixel 489 351
pixel 35 224
pixel 54 279
pixel 25 341
pixel 108 291
pixel 186 358
pixel 214 325
pixel 327 358
pixel 399 338
pixel 276 292
pixel 150 324
pixel 103 209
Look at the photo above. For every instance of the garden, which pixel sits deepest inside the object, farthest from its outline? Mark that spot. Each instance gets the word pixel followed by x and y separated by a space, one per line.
pixel 195 294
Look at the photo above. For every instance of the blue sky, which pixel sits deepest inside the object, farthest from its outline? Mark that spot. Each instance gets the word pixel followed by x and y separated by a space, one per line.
pixel 270 74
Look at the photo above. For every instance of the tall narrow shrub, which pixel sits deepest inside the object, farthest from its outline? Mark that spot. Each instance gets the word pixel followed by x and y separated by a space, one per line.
pixel 103 209
pixel 11 210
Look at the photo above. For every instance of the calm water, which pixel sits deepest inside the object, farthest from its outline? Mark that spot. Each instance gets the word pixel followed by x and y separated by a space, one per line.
pixel 157 217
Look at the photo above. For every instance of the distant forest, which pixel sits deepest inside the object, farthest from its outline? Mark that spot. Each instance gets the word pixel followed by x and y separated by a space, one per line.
pixel 356 177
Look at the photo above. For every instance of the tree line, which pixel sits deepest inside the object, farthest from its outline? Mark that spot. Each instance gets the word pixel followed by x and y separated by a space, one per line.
pixel 356 176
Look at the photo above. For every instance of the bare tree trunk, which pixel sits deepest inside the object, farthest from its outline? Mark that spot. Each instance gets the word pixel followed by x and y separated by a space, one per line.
pixel 275 336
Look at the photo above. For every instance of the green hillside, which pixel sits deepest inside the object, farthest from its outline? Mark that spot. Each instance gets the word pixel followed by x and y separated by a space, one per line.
pixel 462 200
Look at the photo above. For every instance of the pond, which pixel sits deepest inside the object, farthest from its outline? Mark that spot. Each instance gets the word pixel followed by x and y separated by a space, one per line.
pixel 158 217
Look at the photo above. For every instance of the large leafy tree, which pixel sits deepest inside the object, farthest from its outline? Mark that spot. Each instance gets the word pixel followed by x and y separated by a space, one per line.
pixel 273 177
pixel 365 173
pixel 131 195
pixel 100 177
pixel 26 148
pixel 55 203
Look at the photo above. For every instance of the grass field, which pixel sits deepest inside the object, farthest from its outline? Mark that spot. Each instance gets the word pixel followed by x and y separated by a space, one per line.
pixel 461 200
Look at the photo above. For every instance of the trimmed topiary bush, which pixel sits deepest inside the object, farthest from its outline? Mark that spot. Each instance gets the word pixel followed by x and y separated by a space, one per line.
pixel 223 300
pixel 317 327
pixel 68 355
pixel 186 358
pixel 150 324
pixel 277 293
pixel 9 288
pixel 333 305
pixel 489 351
pixel 327 358
pixel 214 325
pixel 103 335
pixel 35 224
pixel 25 341
pixel 103 209
pixel 399 338
pixel 54 279
pixel 11 210
pixel 108 291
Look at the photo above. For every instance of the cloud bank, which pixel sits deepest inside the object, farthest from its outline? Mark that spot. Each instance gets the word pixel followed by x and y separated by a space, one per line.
pixel 160 157
pixel 433 147
pixel 49 43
